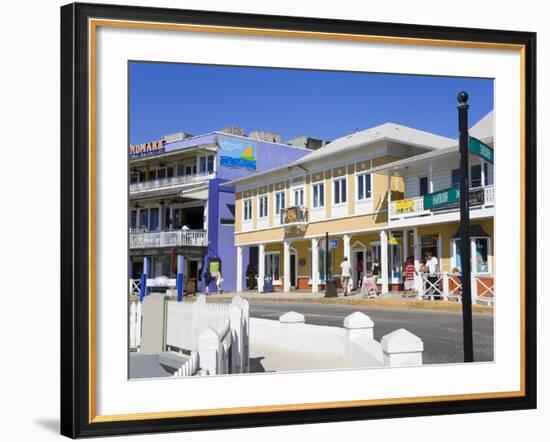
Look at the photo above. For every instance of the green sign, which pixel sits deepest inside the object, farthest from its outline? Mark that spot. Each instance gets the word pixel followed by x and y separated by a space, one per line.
pixel 442 198
pixel 481 150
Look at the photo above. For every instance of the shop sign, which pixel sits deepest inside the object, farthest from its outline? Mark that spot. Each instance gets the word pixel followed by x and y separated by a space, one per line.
pixel 237 152
pixel 333 243
pixel 442 198
pixel 146 149
pixel 404 206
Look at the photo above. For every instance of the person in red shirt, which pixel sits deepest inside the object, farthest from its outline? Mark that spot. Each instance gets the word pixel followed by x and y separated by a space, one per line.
pixel 409 276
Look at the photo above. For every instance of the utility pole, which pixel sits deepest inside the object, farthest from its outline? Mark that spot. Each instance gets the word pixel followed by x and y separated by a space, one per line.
pixel 465 249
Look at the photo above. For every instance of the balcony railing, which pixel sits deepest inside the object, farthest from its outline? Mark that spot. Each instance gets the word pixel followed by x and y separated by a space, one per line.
pixel 411 207
pixel 169 182
pixel 172 238
pixel 294 215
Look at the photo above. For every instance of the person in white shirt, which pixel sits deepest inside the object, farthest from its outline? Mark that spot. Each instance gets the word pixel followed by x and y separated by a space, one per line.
pixel 432 266
pixel 345 274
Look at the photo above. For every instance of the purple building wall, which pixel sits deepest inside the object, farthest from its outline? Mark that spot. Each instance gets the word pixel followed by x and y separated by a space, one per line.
pixel 221 211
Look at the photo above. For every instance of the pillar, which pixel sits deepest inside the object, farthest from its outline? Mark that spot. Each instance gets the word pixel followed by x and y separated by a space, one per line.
pixel 261 267
pixel 239 279
pixel 405 245
pixel 416 247
pixel 179 277
pixel 347 247
pixel 384 260
pixel 314 265
pixel 143 281
pixel 430 177
pixel 286 265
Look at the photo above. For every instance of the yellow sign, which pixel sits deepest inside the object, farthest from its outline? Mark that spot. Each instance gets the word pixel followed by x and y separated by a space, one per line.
pixel 393 241
pixel 404 206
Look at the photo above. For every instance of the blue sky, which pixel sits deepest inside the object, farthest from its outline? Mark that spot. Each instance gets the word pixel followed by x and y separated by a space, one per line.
pixel 167 98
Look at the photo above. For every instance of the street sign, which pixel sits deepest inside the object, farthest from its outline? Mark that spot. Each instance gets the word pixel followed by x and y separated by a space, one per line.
pixel 333 243
pixel 481 150
pixel 442 198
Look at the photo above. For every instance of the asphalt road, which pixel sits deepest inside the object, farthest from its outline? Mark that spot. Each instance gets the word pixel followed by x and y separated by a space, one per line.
pixel 440 331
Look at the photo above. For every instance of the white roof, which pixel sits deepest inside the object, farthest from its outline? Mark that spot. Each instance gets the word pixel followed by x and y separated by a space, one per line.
pixel 385 132
pixel 484 128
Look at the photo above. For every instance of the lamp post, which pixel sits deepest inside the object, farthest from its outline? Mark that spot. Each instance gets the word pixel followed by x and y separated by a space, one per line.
pixel 465 249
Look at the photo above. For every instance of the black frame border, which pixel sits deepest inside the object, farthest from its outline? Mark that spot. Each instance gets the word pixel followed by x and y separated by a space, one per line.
pixel 75 220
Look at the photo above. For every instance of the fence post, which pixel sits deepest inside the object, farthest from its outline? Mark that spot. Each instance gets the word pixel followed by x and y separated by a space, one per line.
pixel 290 324
pixel 445 286
pixel 153 324
pixel 358 325
pixel 419 282
pixel 402 348
pixel 474 288
pixel 236 330
pixel 209 349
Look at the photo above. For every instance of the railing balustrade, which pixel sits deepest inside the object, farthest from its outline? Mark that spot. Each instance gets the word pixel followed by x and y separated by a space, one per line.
pixel 171 181
pixel 170 238
pixel 415 206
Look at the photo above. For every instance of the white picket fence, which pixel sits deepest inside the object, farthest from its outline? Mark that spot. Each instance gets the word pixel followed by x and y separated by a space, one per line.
pixel 447 286
pixel 135 324
pixel 190 367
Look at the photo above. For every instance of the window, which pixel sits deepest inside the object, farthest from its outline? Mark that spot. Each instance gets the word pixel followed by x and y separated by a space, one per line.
pixel 247 210
pixel 133 219
pixel 202 164
pixel 161 173
pixel 363 186
pixel 210 163
pixel 299 197
pixel 279 202
pixel 318 195
pixel 143 219
pixel 263 206
pixel 488 181
pixel 480 249
pixel 475 176
pixel 134 177
pixel 424 186
pixel 154 218
pixel 180 169
pixel 206 164
pixel 272 265
pixel 455 177
pixel 340 192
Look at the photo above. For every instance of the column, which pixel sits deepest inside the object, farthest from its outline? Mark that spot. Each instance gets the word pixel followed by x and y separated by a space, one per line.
pixel 239 269
pixel 416 247
pixel 261 267
pixel 384 260
pixel 179 277
pixel 172 225
pixel 405 245
pixel 143 281
pixel 130 268
pixel 473 266
pixel 286 265
pixel 347 247
pixel 390 173
pixel 314 265
pixel 430 177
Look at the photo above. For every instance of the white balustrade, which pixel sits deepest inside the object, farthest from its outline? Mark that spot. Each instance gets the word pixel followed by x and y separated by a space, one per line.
pixel 169 182
pixel 171 238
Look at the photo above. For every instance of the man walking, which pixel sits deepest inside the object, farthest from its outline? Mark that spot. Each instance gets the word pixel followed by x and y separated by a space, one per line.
pixel 345 274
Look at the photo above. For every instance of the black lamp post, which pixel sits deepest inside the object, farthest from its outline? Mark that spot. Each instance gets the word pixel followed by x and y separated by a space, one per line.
pixel 465 249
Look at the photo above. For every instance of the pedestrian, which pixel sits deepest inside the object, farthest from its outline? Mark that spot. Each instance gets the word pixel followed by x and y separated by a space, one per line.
pixel 432 266
pixel 359 272
pixel 345 274
pixel 207 280
pixel 409 276
pixel 219 282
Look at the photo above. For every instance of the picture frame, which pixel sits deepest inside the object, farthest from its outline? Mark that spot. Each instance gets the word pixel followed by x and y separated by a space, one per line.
pixel 80 240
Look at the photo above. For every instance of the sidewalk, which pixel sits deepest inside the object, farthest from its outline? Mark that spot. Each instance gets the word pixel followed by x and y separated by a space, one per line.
pixel 393 300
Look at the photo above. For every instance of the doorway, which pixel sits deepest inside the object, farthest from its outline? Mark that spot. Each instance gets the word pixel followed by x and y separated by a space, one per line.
pixel 293 271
